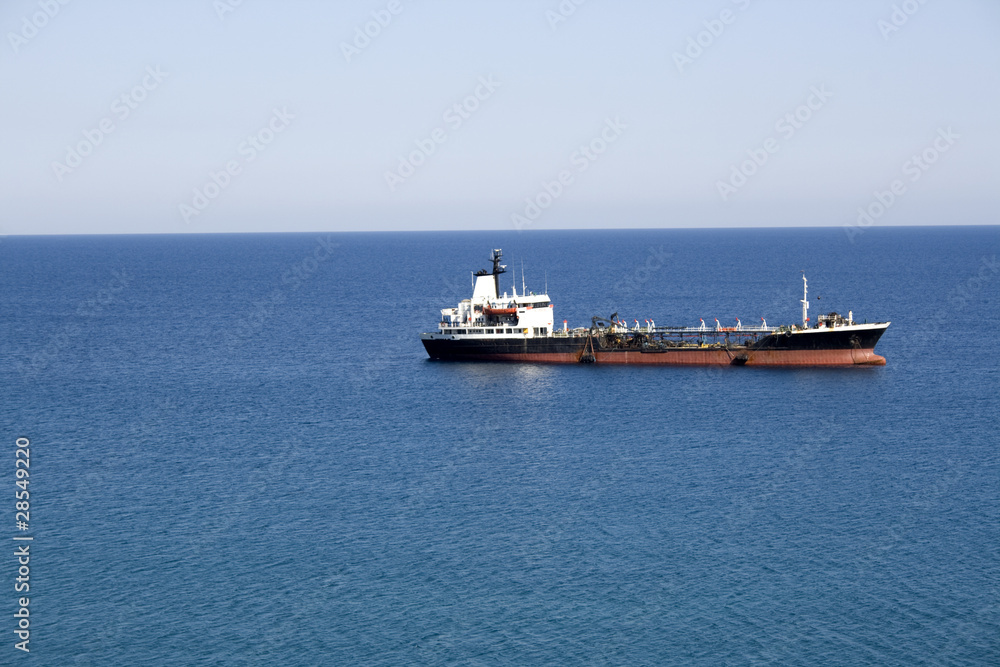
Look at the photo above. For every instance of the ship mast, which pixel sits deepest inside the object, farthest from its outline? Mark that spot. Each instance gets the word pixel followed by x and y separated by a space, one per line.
pixel 497 269
pixel 805 301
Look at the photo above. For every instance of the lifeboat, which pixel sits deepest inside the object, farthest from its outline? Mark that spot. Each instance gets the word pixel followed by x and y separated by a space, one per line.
pixel 499 312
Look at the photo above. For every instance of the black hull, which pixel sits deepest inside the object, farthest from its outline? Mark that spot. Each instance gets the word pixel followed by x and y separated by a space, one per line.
pixel 821 347
pixel 821 339
pixel 536 349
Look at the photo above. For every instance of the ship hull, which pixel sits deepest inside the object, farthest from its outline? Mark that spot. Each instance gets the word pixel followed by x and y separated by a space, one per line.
pixel 846 347
pixel 531 350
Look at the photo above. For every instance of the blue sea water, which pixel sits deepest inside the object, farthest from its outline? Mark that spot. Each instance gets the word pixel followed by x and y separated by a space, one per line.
pixel 241 455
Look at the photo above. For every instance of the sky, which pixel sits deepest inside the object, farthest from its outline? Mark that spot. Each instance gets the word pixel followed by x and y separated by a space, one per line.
pixel 198 116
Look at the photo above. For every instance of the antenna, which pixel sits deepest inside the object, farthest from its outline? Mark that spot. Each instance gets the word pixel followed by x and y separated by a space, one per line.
pixel 546 281
pixel 523 292
pixel 805 301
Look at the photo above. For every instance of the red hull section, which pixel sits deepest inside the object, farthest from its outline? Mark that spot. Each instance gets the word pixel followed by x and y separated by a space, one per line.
pixel 852 357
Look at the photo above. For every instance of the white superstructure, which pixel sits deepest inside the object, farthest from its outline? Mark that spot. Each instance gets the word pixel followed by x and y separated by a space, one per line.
pixel 490 314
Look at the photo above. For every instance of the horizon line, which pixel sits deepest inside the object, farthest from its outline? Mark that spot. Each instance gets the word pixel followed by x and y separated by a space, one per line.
pixel 494 230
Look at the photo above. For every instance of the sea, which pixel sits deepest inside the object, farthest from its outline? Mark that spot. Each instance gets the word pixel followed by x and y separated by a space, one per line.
pixel 240 454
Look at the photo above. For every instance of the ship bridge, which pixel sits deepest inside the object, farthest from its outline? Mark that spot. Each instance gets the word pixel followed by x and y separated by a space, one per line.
pixel 490 312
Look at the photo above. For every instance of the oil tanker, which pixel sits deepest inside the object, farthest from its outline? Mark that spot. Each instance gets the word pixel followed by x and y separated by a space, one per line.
pixel 495 326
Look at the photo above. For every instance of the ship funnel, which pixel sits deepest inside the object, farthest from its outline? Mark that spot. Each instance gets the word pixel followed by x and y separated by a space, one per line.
pixel 486 284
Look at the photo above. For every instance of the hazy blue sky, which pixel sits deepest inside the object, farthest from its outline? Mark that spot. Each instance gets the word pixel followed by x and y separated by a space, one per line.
pixel 886 80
